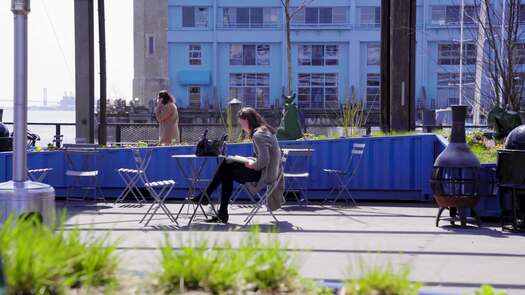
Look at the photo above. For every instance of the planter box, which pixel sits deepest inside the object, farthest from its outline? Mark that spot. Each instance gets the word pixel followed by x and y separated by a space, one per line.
pixel 392 168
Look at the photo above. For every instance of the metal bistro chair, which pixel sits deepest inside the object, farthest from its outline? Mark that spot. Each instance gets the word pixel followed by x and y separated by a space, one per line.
pixel 159 191
pixel 297 171
pixel 344 177
pixel 82 170
pixel 132 177
pixel 39 174
pixel 263 197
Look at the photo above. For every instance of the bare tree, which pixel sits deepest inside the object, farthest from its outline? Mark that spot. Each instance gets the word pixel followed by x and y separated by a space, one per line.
pixel 504 52
pixel 289 13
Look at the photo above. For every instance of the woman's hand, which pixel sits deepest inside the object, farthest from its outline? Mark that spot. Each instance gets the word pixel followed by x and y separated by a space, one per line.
pixel 250 165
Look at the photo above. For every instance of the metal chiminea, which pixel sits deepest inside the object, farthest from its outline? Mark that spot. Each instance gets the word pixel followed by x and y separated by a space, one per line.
pixel 455 177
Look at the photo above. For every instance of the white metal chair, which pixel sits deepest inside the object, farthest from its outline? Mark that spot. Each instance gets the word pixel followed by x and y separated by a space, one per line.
pixel 344 177
pixel 38 175
pixel 297 171
pixel 263 197
pixel 132 177
pixel 82 170
pixel 159 191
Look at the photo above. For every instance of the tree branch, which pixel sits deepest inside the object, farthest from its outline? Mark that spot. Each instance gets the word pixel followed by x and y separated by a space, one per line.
pixel 302 6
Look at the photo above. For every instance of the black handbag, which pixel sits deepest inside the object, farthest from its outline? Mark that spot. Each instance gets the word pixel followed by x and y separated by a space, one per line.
pixel 210 147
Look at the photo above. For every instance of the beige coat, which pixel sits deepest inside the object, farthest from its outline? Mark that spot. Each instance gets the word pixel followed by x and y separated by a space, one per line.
pixel 268 161
pixel 168 118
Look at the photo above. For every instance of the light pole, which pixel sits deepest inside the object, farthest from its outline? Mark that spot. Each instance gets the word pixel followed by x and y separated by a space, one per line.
pixel 20 196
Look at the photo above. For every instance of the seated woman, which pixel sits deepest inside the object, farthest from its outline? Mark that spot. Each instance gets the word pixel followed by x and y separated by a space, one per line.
pixel 264 168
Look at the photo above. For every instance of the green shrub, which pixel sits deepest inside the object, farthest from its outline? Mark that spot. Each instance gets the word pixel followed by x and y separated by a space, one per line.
pixel 94 261
pixel 221 269
pixel 33 262
pixel 383 280
pixel 393 133
pixel 488 290
pixel 38 259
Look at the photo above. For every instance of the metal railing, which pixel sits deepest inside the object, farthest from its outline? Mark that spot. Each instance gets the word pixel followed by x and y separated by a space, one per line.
pixel 191 133
pixel 430 128
pixel 58 138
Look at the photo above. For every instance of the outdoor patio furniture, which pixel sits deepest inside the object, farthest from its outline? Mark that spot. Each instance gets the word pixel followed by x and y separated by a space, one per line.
pixel 82 170
pixel 132 177
pixel 344 177
pixel 159 190
pixel 195 178
pixel 38 175
pixel 263 196
pixel 511 184
pixel 297 171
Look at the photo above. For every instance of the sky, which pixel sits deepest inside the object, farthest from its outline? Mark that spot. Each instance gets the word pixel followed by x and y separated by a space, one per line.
pixel 51 49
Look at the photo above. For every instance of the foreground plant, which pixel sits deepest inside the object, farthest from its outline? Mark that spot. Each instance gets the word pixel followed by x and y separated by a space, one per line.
pixel 256 266
pixel 383 280
pixel 38 259
pixel 488 290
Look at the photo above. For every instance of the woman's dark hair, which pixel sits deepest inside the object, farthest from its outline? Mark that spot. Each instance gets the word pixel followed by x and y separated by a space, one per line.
pixel 165 96
pixel 255 120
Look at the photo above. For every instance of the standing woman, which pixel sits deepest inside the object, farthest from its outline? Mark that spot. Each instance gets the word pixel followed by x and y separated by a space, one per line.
pixel 262 170
pixel 168 117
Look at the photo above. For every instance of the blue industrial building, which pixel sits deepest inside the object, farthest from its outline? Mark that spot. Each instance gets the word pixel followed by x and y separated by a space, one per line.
pixel 221 49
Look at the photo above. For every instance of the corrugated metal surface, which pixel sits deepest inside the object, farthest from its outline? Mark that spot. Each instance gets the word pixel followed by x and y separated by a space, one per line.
pixel 392 168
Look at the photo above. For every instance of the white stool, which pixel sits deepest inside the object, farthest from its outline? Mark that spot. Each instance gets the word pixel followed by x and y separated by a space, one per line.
pixel 159 190
pixel 38 175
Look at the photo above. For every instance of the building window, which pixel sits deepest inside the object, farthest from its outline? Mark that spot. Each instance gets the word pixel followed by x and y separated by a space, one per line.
pixel 249 55
pixel 195 55
pixel 451 15
pixel 253 89
pixel 521 15
pixel 247 17
pixel 151 44
pixel 318 55
pixel 448 54
pixel 448 89
pixel 373 98
pixel 317 91
pixel 194 17
pixel 519 53
pixel 320 15
pixel 194 94
pixel 370 16
pixel 373 54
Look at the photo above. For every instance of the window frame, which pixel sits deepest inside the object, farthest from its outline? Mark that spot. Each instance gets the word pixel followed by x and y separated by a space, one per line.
pixel 313 85
pixel 195 49
pixel 374 14
pixel 269 17
pixel 196 20
pixel 258 56
pixel 306 52
pixel 253 89
pixel 451 56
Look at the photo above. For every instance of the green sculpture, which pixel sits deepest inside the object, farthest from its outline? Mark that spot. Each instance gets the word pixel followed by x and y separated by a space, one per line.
pixel 290 127
pixel 503 121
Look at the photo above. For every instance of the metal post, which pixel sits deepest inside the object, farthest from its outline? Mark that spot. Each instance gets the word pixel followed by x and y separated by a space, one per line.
pixel 102 128
pixel 461 53
pixel 479 63
pixel 84 72
pixel 20 196
pixel 118 136
pixel 20 102
pixel 58 136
